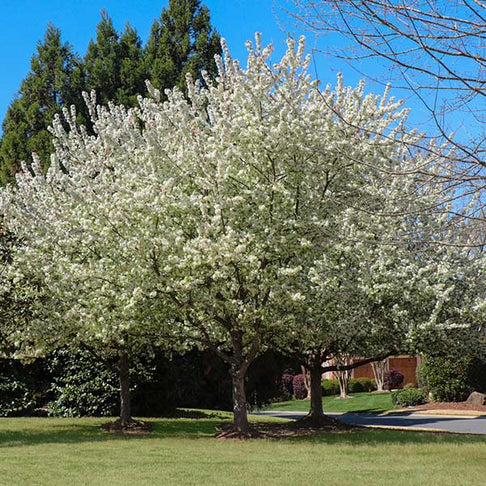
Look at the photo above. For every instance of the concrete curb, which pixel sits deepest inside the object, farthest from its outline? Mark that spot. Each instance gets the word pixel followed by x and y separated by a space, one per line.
pixel 437 413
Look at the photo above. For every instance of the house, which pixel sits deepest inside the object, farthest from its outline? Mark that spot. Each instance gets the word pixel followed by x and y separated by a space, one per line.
pixel 405 364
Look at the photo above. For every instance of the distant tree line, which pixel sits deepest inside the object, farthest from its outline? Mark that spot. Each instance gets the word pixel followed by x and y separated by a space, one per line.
pixel 116 64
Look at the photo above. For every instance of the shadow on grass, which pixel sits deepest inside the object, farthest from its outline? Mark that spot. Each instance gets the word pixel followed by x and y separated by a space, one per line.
pixel 15 432
pixel 24 432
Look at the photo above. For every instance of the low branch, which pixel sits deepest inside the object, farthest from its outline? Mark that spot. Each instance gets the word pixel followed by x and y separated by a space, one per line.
pixel 357 364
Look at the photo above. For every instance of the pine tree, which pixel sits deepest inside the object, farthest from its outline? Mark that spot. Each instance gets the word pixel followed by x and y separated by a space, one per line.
pixel 114 64
pixel 182 41
pixel 132 74
pixel 54 81
pixel 101 61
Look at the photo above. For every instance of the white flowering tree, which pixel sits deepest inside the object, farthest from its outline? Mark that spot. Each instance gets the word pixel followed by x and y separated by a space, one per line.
pixel 267 219
pixel 85 230
pixel 380 287
pixel 22 302
pixel 232 217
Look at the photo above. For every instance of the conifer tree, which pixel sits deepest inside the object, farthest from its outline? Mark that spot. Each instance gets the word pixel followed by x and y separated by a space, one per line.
pixel 102 60
pixel 182 41
pixel 53 82
pixel 114 64
pixel 132 74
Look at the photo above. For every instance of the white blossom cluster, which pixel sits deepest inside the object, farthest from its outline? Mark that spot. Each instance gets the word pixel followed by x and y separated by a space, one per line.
pixel 253 209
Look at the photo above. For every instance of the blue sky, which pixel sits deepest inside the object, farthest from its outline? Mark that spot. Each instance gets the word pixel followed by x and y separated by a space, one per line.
pixel 24 23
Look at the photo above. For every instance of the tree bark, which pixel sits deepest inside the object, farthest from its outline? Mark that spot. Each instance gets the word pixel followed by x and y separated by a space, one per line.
pixel 240 413
pixel 306 375
pixel 316 410
pixel 125 399
pixel 379 369
pixel 343 380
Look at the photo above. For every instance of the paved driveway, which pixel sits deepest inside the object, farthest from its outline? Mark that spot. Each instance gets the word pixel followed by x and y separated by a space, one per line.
pixel 457 424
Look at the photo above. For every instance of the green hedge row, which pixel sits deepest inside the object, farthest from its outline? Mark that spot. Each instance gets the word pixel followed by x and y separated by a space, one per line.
pixel 356 385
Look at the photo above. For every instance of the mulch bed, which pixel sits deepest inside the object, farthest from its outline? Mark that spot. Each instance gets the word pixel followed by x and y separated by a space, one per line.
pixel 451 406
pixel 275 430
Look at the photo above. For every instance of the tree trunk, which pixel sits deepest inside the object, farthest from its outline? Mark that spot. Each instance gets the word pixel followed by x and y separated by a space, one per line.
pixel 316 410
pixel 240 415
pixel 379 368
pixel 125 399
pixel 343 377
pixel 343 380
pixel 306 376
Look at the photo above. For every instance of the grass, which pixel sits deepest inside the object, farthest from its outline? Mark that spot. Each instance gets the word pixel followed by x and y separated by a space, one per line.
pixel 52 451
pixel 357 402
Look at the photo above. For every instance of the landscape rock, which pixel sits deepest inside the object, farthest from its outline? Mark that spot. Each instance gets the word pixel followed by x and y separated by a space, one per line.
pixel 477 398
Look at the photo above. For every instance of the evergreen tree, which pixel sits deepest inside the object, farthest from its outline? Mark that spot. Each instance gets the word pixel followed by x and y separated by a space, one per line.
pixel 101 60
pixel 114 64
pixel 54 81
pixel 182 41
pixel 132 74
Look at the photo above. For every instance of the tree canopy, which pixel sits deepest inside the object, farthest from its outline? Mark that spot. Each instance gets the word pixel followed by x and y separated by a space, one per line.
pixel 247 211
pixel 181 42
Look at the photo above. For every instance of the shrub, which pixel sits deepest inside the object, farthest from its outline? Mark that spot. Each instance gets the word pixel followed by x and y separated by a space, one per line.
pixel 448 378
pixel 407 386
pixel 355 386
pixel 393 379
pixel 287 386
pixel 409 397
pixel 300 391
pixel 82 385
pixel 330 387
pixel 22 387
pixel 367 384
pixel 15 398
pixel 477 374
pixel 421 375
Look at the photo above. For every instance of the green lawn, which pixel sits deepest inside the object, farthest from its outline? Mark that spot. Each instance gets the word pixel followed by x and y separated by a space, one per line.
pixel 43 451
pixel 357 402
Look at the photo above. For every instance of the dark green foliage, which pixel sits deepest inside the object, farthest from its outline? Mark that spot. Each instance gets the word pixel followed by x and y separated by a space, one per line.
pixel 287 387
pixel 477 374
pixel 20 300
pixel 22 387
pixel 82 384
pixel 53 82
pixel 330 387
pixel 355 386
pixel 132 70
pixel 77 382
pixel 182 41
pixel 368 384
pixel 15 398
pixel 358 385
pixel 193 380
pixel 453 378
pixel 263 384
pixel 113 65
pixel 85 384
pixel 409 397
